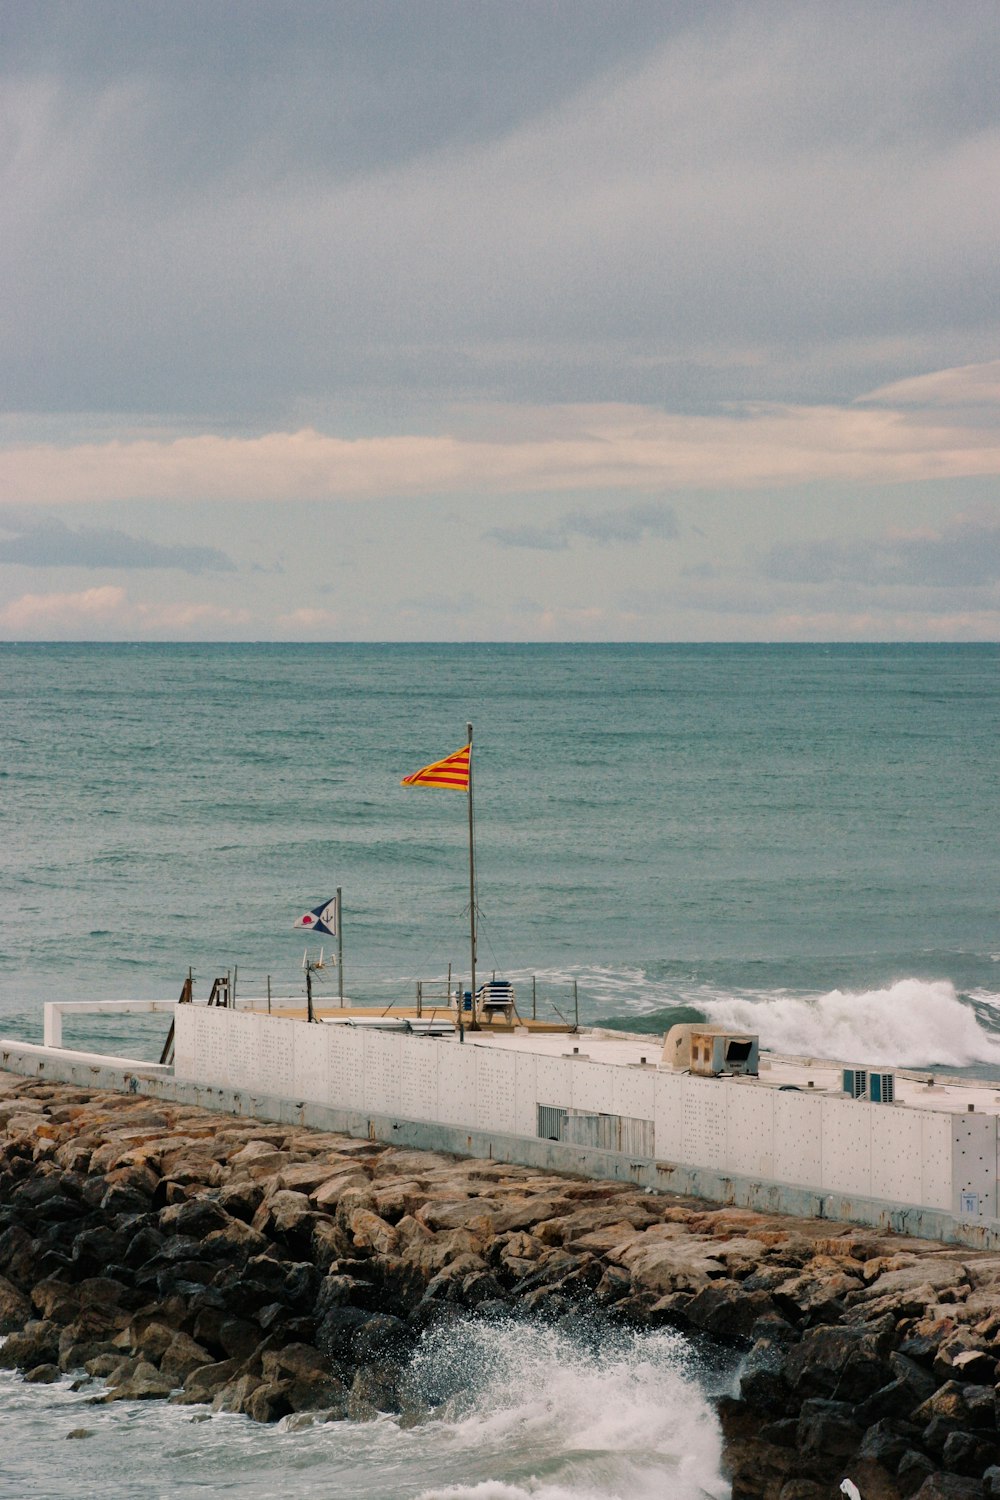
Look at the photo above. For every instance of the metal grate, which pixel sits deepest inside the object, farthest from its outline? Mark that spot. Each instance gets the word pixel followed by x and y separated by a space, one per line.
pixel 551 1121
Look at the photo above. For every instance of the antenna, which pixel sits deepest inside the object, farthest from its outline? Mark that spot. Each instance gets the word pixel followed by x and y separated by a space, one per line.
pixel 311 966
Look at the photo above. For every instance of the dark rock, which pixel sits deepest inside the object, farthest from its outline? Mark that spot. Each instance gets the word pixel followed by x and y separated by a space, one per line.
pixel 341 1290
pixel 950 1487
pixel 828 1429
pixel 613 1285
pixel 920 1347
pixel 911 1471
pixel 18 1256
pixel 60 1210
pixel 194 1218
pixel 912 1386
pixel 274 1315
pixel 126 1197
pixel 143 1246
pixel 93 1249
pixel 964 1356
pixel 968 1453
pixel 43 1375
pixel 991 1483
pixel 168 1192
pixel 842 1363
pixel 238 1337
pixel 980 1405
pixel 886 1442
pixel 724 1310
pixel 241 1200
pixel 783 1434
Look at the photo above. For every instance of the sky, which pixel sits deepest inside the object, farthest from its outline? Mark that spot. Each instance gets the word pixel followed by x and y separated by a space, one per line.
pixel 510 320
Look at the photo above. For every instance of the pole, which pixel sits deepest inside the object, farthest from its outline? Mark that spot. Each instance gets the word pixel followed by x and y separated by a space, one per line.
pixel 474 1026
pixel 340 948
pixel 310 1016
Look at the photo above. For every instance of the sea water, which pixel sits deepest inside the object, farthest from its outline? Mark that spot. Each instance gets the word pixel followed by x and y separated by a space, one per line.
pixel 801 839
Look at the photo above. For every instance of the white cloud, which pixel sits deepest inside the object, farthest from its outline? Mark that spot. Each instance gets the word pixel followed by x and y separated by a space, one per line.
pixel 108 612
pixel 966 385
pixel 606 447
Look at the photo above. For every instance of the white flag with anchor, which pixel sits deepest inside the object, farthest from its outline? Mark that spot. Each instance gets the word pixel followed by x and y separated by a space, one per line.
pixel 322 918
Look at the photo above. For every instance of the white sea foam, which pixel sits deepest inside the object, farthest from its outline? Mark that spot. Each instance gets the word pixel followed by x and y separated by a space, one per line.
pixel 552 1420
pixel 912 1023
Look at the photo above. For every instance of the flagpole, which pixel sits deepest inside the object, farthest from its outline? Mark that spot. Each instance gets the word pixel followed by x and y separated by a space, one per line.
pixel 340 949
pixel 474 1025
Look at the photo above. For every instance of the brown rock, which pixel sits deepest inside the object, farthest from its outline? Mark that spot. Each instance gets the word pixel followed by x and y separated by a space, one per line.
pixel 143 1383
pixel 329 1192
pixel 15 1307
pixel 56 1300
pixel 284 1213
pixel 235 1395
pixel 181 1356
pixel 240 1200
pixel 372 1233
pixel 37 1343
pixel 269 1402
pixel 204 1382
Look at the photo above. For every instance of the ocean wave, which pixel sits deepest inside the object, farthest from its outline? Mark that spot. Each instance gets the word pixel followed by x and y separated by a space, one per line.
pixel 912 1023
pixel 539 1415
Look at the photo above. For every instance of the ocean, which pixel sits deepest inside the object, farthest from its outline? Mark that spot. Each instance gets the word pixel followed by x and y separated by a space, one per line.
pixel 801 839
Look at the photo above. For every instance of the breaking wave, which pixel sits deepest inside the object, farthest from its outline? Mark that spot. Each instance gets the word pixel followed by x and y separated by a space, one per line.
pixel 551 1418
pixel 913 1023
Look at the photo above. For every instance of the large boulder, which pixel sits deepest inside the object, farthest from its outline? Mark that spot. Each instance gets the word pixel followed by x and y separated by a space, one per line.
pixel 37 1343
pixel 15 1307
pixel 844 1363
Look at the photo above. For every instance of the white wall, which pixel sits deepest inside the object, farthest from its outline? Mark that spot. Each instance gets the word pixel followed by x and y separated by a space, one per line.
pixel 794 1138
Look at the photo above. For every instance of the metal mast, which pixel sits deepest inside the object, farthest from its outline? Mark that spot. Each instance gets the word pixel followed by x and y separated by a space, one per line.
pixel 474 1025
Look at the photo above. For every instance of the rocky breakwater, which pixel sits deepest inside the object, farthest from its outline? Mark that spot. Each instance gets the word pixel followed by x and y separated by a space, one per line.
pixel 158 1250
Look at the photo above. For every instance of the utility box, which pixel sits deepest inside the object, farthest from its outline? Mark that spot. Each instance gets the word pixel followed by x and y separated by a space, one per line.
pixel 710 1052
pixel 877 1088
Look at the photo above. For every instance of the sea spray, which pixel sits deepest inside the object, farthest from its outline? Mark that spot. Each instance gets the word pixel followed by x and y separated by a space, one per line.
pixel 913 1023
pixel 549 1414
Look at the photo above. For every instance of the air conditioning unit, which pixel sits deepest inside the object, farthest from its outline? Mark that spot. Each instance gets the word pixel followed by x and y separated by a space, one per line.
pixel 877 1088
pixel 856 1083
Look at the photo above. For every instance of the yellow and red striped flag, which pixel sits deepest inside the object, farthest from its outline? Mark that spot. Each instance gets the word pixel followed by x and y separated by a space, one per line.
pixel 452 771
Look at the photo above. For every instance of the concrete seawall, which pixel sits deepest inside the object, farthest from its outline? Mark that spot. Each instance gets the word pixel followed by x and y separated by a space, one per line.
pixel 158 1082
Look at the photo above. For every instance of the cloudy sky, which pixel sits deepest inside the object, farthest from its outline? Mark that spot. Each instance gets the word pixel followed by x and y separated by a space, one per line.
pixel 499 320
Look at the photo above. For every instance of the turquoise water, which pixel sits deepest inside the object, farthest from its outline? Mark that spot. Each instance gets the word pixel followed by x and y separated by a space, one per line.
pixel 670 826
pixel 804 839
